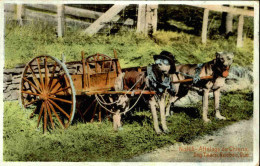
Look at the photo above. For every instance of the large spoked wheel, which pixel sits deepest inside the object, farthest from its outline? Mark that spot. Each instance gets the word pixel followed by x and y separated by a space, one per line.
pixel 46 84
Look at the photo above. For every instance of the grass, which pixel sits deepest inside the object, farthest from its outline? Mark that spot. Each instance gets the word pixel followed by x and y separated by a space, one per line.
pixel 24 43
pixel 98 142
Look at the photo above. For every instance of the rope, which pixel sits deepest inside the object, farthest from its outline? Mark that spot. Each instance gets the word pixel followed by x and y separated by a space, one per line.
pixel 101 103
pixel 134 103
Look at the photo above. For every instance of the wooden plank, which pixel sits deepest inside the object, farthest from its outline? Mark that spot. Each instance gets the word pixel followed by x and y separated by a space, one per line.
pixel 82 12
pixel 61 20
pixel 33 15
pixel 220 8
pixel 52 8
pixel 68 10
pixel 205 25
pixel 73 11
pixel 9 7
pixel 137 92
pixel 102 20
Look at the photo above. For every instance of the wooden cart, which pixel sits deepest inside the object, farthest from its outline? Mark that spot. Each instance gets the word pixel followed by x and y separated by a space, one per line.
pixel 48 84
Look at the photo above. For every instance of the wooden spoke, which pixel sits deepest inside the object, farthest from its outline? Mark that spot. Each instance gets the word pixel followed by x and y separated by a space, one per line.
pixel 30 103
pixel 40 73
pixel 40 114
pixel 55 113
pixel 56 105
pixel 35 79
pixel 50 115
pixel 45 116
pixel 32 84
pixel 52 75
pixel 45 80
pixel 46 72
pixel 56 83
pixel 30 93
pixel 62 100
pixel 63 89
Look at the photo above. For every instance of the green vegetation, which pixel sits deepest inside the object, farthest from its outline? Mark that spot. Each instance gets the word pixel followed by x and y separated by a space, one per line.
pixel 24 43
pixel 98 142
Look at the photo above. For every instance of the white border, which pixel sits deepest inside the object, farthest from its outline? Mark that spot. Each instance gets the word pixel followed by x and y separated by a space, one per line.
pixel 256 80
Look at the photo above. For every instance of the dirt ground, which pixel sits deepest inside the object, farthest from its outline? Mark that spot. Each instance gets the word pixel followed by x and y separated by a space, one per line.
pixel 233 143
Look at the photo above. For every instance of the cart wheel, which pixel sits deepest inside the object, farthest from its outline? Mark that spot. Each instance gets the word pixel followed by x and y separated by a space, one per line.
pixel 97 57
pixel 46 83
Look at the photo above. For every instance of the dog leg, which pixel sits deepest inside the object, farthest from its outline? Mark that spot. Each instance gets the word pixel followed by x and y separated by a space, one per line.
pixel 217 99
pixel 168 108
pixel 152 103
pixel 163 117
pixel 205 105
pixel 117 120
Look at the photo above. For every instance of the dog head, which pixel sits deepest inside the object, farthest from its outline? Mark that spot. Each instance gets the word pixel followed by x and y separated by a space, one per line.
pixel 224 59
pixel 165 62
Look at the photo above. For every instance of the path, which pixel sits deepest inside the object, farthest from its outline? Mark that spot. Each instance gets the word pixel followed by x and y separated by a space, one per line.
pixel 232 143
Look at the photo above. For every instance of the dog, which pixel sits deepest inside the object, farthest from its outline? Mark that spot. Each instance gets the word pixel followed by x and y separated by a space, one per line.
pixel 217 68
pixel 156 78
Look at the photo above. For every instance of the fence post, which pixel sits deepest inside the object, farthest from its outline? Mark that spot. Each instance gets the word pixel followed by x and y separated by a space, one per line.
pixel 147 19
pixel 229 22
pixel 141 18
pixel 240 31
pixel 19 14
pixel 61 20
pixel 205 25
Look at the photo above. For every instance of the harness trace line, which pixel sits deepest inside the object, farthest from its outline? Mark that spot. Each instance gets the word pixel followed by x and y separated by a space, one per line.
pixel 196 78
pixel 117 101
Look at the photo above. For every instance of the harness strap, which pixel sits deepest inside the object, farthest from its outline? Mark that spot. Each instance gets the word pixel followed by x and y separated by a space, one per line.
pixel 157 85
pixel 196 76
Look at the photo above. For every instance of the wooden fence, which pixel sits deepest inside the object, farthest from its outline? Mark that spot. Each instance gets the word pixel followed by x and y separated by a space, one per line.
pixel 146 22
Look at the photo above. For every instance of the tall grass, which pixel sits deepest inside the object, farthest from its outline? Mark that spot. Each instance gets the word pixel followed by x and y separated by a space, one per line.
pixel 24 43
pixel 98 142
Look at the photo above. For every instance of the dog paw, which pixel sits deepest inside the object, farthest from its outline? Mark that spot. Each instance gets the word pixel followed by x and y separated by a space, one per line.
pixel 207 120
pixel 158 132
pixel 166 131
pixel 221 117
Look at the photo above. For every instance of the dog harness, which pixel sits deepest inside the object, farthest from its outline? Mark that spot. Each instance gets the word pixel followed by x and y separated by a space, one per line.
pixel 159 86
pixel 196 77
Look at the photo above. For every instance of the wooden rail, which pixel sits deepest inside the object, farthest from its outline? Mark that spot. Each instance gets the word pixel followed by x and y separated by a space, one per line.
pixel 233 10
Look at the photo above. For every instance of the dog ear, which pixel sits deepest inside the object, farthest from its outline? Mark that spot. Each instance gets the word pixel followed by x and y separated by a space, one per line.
pixel 231 54
pixel 218 55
